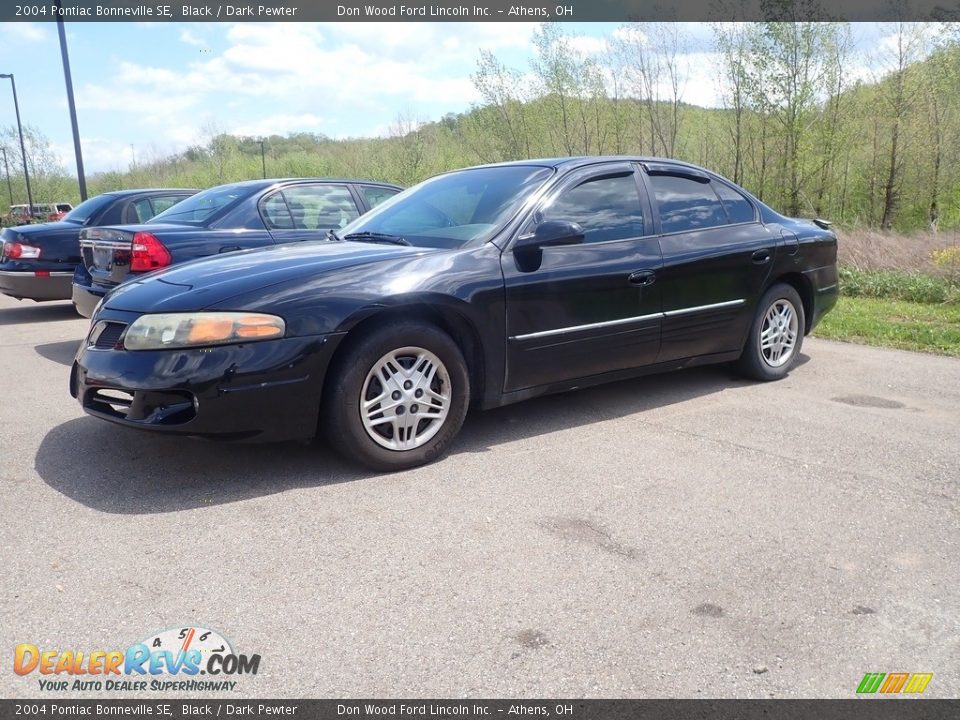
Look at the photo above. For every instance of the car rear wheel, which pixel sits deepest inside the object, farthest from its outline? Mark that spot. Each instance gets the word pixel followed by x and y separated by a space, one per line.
pixel 397 398
pixel 776 336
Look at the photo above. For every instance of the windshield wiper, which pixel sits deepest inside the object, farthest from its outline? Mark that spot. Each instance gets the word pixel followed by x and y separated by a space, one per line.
pixel 377 237
pixel 333 234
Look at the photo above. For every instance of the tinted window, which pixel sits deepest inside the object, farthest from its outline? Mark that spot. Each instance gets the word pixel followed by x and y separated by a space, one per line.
pixel 456 208
pixel 376 195
pixel 607 208
pixel 87 209
pixel 686 204
pixel 738 208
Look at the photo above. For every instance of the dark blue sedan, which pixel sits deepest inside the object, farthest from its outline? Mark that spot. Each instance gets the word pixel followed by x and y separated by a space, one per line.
pixel 38 261
pixel 238 216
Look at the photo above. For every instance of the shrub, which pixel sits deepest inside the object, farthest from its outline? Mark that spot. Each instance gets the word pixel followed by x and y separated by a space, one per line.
pixel 898 285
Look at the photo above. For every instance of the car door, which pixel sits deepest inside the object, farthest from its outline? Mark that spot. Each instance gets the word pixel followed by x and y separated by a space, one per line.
pixel 716 259
pixel 307 212
pixel 589 308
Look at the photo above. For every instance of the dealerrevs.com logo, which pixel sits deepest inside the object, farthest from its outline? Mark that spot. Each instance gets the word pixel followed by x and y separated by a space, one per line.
pixel 894 683
pixel 181 659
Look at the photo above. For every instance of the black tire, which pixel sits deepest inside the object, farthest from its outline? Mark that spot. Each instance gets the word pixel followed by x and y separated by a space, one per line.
pixel 341 420
pixel 755 363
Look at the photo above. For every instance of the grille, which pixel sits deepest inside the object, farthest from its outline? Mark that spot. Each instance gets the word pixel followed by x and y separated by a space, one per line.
pixel 108 336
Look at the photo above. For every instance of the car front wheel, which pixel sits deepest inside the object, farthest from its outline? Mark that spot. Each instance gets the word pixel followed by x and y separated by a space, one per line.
pixel 398 397
pixel 776 336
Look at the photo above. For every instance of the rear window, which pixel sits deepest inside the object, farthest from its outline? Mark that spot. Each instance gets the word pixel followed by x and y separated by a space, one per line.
pixel 203 206
pixel 86 210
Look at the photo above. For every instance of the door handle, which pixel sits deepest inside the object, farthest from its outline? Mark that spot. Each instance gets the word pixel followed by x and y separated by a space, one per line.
pixel 642 278
pixel 230 249
pixel 761 257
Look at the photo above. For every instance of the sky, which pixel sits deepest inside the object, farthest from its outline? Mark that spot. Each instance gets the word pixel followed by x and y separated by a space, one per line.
pixel 145 90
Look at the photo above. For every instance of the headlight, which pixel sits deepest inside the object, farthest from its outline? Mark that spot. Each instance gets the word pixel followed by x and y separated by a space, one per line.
pixel 177 330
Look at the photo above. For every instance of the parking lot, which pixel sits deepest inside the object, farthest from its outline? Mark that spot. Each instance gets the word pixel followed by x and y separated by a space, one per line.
pixel 684 535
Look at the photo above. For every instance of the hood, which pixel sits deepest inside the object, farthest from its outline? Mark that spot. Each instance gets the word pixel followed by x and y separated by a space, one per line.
pixel 201 283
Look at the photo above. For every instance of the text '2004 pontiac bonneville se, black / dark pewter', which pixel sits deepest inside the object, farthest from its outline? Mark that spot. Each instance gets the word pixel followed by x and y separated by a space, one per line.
pixel 482 286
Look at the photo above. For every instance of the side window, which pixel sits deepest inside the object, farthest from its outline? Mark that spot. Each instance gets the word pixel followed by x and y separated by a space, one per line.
pixel 608 208
pixel 320 207
pixel 165 202
pixel 376 195
pixel 140 210
pixel 275 214
pixel 737 206
pixel 686 204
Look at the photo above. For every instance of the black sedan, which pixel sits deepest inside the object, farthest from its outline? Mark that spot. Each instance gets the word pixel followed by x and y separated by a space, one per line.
pixel 487 285
pixel 238 216
pixel 37 262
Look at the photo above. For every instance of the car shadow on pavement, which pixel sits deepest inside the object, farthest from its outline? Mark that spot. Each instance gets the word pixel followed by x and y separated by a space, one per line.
pixel 119 470
pixel 38 312
pixel 59 352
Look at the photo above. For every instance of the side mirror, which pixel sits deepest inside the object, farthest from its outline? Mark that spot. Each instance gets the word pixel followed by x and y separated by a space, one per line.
pixel 551 232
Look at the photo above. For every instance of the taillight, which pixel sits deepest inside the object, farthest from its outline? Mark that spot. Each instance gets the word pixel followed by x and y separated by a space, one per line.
pixel 148 253
pixel 19 251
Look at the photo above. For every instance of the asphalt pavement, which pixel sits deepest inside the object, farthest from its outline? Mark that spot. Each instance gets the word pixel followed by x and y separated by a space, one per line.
pixel 683 535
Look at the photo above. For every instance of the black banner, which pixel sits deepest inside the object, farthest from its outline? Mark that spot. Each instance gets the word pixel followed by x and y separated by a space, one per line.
pixel 855 709
pixel 476 10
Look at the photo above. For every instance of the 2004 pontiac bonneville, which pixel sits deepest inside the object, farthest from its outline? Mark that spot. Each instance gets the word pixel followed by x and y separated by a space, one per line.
pixel 487 285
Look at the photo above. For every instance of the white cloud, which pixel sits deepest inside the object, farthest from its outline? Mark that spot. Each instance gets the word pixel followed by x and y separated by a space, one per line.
pixel 99 154
pixel 588 45
pixel 190 38
pixel 279 124
pixel 283 77
pixel 30 31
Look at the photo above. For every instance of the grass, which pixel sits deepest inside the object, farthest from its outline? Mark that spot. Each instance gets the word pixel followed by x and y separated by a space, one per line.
pixel 926 327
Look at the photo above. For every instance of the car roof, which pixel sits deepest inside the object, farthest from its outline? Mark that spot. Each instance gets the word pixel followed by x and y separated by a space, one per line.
pixel 583 160
pixel 140 191
pixel 270 182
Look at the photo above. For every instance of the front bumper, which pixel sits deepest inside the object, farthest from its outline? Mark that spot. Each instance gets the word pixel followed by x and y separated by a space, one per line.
pixel 37 285
pixel 263 391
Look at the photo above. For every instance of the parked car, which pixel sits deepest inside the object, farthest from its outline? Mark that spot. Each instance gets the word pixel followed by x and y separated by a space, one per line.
pixel 37 261
pixel 57 211
pixel 42 212
pixel 17 215
pixel 487 285
pixel 238 216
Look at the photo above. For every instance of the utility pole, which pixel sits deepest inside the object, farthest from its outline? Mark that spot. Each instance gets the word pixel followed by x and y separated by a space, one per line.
pixel 263 159
pixel 70 103
pixel 23 147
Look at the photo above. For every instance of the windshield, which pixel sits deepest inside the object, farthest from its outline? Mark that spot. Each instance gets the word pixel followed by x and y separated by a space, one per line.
pixel 200 208
pixel 451 210
pixel 82 213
